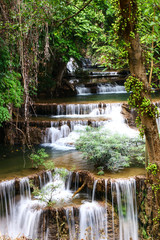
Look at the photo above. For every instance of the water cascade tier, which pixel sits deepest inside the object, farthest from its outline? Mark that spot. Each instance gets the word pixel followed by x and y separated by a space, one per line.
pixel 101 88
pixel 90 219
pixel 65 133
pixel 64 123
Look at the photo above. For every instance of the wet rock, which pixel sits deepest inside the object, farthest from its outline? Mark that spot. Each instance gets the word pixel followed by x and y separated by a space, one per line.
pixel 129 115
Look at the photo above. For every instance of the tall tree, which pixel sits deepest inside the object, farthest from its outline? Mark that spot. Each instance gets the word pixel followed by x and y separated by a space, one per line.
pixel 138 81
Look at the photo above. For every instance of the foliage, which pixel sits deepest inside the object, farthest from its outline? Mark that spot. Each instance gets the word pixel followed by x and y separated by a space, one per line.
pixel 149 35
pixel 113 50
pixel 38 158
pixel 100 171
pixel 49 165
pixel 10 86
pixel 152 168
pixel 46 194
pixel 139 101
pixel 113 152
pixel 62 172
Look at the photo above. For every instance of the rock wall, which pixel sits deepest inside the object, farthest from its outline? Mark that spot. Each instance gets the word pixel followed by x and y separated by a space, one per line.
pixel 14 135
pixel 129 115
pixel 147 207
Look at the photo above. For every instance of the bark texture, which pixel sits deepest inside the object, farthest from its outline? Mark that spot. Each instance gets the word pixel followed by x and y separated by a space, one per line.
pixel 137 69
pixel 150 210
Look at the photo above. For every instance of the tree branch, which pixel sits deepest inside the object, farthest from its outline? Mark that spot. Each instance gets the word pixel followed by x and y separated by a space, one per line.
pixel 79 189
pixel 80 10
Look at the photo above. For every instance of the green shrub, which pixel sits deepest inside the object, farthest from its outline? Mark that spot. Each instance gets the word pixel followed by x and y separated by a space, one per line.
pixel 113 152
pixel 38 158
pixel 49 165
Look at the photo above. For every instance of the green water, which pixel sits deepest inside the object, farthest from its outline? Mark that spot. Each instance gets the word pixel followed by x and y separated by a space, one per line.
pixel 14 162
pixel 89 98
pixel 112 97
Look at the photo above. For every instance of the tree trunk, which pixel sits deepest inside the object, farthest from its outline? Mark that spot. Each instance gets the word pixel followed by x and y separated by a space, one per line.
pixel 59 70
pixel 129 14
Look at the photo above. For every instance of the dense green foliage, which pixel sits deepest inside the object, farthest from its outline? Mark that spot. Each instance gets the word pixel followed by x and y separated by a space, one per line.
pixel 113 50
pixel 113 152
pixel 10 86
pixel 47 32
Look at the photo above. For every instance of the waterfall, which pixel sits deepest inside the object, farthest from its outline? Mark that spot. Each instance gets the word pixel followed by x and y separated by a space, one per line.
pixel 110 88
pixel 64 136
pixel 92 221
pixel 65 131
pixel 158 119
pixel 82 90
pixel 20 217
pixel 7 203
pixel 69 181
pixel 127 209
pixel 72 65
pixel 75 109
pixel 104 74
pixel 71 223
pixel 53 134
pixel 25 188
pixel 106 218
pixel 112 195
pixel 23 215
pixel 94 190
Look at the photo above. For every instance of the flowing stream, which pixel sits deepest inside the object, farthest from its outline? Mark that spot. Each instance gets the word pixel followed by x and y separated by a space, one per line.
pixel 22 215
pixel 87 216
pixel 99 114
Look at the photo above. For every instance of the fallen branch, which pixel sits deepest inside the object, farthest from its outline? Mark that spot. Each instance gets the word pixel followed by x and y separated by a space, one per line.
pixel 79 189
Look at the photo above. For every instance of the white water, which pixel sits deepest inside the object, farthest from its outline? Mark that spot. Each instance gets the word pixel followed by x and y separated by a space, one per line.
pixel 92 221
pixel 103 74
pixel 127 209
pixel 64 137
pixel 93 217
pixel 22 217
pixel 72 65
pixel 102 88
pixel 82 90
pixel 108 88
pixel 71 223
pixel 94 190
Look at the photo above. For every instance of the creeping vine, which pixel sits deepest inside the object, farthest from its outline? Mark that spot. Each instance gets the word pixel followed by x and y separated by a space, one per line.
pixel 139 101
pixel 153 170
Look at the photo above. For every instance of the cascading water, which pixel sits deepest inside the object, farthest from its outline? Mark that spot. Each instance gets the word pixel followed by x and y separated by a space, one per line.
pixel 127 209
pixel 92 221
pixel 82 90
pixel 64 136
pixel 7 203
pixel 95 223
pixel 110 88
pixel 20 217
pixel 71 223
pixel 94 190
pixel 72 65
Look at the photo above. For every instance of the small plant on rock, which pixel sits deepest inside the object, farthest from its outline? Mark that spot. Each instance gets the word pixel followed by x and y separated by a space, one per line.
pixel 38 158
